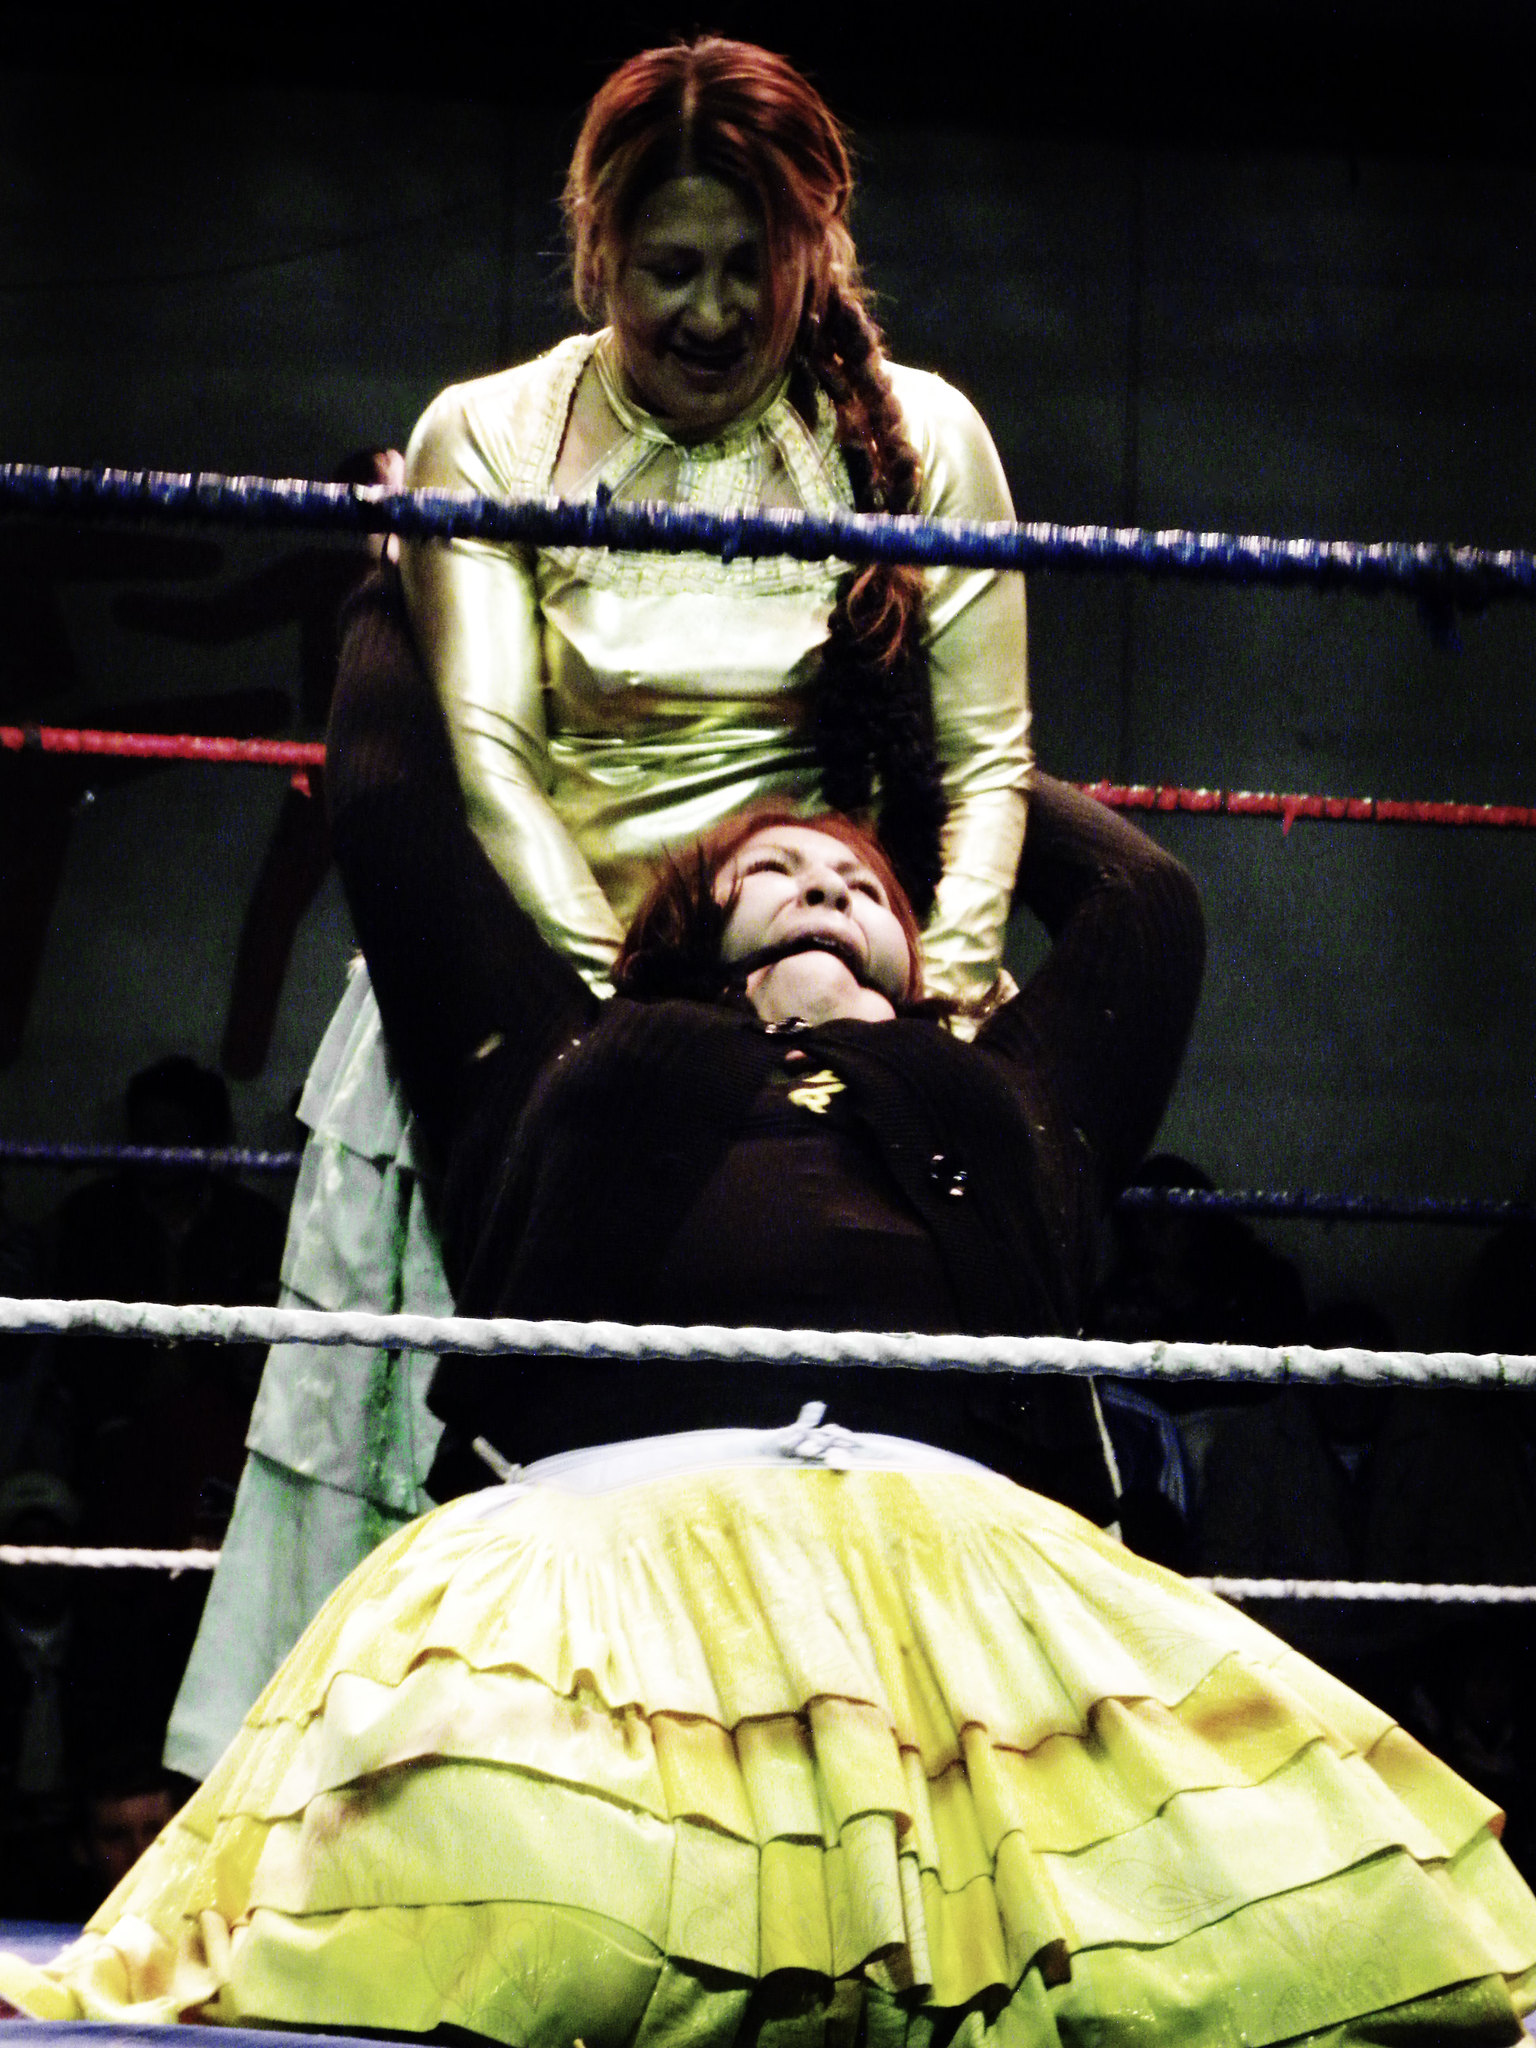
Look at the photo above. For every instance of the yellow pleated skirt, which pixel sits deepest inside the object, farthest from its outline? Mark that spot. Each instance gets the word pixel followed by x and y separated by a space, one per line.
pixel 778 1754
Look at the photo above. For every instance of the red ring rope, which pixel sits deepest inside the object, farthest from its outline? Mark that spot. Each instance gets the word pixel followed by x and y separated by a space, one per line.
pixel 1354 810
pixel 1120 796
pixel 163 746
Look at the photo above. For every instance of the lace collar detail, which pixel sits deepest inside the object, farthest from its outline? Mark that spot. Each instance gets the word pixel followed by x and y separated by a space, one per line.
pixel 722 475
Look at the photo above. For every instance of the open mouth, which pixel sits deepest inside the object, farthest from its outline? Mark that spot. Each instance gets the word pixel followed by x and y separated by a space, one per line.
pixel 824 942
pixel 802 942
pixel 708 365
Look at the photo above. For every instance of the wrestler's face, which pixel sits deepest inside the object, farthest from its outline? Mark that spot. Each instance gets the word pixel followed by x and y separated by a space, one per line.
pixel 795 883
pixel 691 306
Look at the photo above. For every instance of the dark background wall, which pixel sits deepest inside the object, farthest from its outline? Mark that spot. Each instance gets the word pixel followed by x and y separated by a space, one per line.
pixel 1277 277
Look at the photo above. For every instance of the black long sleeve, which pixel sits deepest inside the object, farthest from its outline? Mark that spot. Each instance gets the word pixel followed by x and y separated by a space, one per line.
pixel 459 969
pixel 1103 1023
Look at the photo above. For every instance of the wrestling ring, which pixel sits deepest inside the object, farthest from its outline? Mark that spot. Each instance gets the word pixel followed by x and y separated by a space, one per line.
pixel 1443 581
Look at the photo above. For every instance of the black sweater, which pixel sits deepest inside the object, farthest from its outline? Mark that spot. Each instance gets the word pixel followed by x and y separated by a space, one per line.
pixel 571 1139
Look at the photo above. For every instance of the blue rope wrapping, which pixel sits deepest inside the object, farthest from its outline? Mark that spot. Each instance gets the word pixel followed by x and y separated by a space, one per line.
pixel 1440 576
pixel 1319 1208
pixel 1209 1201
pixel 218 1158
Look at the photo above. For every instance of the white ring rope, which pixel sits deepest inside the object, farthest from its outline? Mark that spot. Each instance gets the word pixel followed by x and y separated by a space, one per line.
pixel 1393 1592
pixel 109 1558
pixel 641 1343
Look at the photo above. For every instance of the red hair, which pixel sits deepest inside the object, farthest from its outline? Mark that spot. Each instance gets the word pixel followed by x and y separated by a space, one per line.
pixel 735 112
pixel 672 947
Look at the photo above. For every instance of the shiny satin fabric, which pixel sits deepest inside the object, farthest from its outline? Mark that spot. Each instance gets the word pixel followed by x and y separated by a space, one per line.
pixel 605 707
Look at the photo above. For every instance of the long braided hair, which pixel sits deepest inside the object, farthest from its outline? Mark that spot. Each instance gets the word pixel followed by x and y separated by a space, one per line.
pixel 746 116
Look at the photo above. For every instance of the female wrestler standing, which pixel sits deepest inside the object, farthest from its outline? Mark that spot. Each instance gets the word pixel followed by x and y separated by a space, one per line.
pixel 604 707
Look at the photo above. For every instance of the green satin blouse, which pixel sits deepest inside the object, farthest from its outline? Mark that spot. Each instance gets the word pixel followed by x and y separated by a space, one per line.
pixel 605 707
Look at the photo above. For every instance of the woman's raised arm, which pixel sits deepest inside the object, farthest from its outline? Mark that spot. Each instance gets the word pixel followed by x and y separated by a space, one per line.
pixel 458 967
pixel 476 619
pixel 978 669
pixel 1104 1021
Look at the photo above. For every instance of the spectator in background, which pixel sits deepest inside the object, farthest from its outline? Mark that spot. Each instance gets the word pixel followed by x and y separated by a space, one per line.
pixel 1289 1490
pixel 82 1793
pixel 160 1429
pixel 1471 1699
pixel 1181 1274
pixel 35 1423
pixel 128 1799
pixel 1188 1274
pixel 37 1633
pixel 1398 1483
pixel 163 1428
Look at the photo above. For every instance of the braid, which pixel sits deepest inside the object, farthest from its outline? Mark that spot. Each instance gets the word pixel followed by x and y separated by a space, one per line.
pixel 872 708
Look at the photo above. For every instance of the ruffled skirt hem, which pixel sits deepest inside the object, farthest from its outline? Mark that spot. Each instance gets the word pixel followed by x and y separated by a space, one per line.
pixel 734 1754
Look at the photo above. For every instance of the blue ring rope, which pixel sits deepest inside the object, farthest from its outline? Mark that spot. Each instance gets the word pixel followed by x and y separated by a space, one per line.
pixel 1302 1203
pixel 217 1158
pixel 1440 576
pixel 1297 1203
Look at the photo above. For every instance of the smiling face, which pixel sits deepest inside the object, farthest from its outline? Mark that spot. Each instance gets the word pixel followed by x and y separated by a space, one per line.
pixel 692 304
pixel 795 883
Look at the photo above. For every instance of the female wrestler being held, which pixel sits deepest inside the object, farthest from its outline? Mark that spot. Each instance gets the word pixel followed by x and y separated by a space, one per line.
pixel 739 1737
pixel 767 1124
pixel 746 1737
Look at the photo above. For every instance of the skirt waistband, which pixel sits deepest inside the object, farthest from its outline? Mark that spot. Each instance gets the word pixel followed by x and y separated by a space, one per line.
pixel 808 1440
